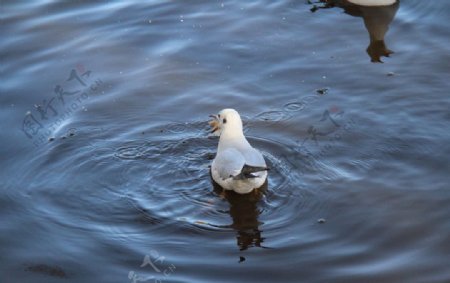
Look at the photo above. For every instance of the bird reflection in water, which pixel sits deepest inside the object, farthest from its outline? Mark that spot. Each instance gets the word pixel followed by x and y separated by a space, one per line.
pixel 377 16
pixel 244 212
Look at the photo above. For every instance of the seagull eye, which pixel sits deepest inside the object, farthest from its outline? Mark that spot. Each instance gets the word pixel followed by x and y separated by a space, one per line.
pixel 224 120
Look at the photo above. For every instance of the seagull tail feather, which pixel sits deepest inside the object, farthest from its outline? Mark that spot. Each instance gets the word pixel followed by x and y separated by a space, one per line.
pixel 248 170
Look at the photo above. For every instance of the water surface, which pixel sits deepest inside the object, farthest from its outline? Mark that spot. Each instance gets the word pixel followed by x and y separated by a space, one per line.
pixel 105 148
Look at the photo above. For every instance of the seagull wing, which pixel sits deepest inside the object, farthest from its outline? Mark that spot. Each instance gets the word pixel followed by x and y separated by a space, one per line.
pixel 228 163
pixel 254 158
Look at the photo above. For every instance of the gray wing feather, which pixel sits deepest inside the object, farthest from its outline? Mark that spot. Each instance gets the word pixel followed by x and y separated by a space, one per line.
pixel 255 158
pixel 229 163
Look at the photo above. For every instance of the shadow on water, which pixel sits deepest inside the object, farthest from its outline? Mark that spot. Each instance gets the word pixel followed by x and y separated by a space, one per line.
pixel 376 19
pixel 244 212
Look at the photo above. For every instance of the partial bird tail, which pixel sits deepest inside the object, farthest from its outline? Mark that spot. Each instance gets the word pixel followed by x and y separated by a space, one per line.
pixel 248 170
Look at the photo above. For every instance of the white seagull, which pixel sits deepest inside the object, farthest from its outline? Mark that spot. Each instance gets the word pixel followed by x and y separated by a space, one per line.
pixel 237 165
pixel 372 3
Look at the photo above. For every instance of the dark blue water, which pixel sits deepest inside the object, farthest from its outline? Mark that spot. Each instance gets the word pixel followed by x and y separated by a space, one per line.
pixel 105 148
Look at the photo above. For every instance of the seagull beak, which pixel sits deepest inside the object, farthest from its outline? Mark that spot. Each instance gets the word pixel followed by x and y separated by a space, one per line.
pixel 214 123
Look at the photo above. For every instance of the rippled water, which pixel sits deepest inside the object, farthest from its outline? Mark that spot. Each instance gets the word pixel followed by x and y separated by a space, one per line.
pixel 105 148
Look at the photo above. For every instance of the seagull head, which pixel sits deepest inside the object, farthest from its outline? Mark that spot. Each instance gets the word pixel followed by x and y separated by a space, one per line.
pixel 227 122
